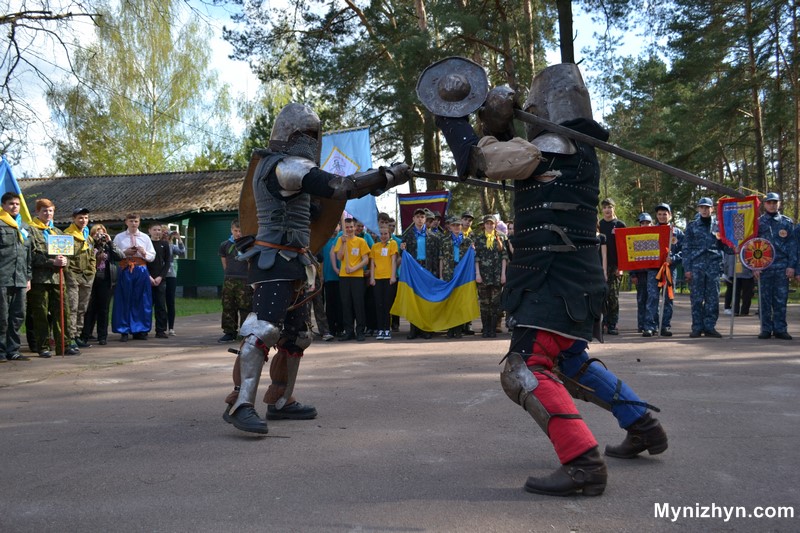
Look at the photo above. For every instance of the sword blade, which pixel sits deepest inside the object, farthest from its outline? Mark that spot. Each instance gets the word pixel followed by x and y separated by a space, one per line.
pixel 627 154
pixel 431 176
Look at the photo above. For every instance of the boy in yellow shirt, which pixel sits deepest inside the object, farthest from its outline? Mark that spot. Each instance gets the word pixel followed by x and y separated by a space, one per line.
pixel 353 253
pixel 382 277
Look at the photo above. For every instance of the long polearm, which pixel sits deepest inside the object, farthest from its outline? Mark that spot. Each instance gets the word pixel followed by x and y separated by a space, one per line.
pixel 431 176
pixel 627 154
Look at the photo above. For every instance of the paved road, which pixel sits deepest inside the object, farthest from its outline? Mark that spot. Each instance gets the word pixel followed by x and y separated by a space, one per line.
pixel 412 436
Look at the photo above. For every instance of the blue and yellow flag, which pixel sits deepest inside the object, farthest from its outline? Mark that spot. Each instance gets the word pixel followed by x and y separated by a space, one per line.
pixel 432 304
pixel 8 183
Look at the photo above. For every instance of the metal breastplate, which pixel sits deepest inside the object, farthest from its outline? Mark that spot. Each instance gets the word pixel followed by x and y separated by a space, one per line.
pixel 282 221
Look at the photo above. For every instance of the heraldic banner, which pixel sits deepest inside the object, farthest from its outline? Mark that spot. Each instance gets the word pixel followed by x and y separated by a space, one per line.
pixel 346 152
pixel 432 304
pixel 433 200
pixel 738 220
pixel 643 247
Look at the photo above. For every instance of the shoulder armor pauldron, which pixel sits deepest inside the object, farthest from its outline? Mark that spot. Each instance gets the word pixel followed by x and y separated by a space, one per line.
pixel 291 171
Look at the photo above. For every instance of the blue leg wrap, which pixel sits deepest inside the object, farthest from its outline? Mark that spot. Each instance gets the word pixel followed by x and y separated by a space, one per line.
pixel 626 406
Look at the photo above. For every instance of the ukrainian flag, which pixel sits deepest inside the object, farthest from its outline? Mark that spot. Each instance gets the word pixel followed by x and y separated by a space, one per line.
pixel 8 183
pixel 432 304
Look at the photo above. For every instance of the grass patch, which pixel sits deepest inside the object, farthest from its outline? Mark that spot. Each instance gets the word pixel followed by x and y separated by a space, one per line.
pixel 197 306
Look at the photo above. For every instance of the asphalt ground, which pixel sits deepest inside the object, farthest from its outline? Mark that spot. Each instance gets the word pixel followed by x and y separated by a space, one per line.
pixel 411 436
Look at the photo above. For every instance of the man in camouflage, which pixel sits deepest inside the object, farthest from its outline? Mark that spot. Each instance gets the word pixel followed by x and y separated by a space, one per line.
pixel 773 295
pixel 237 294
pixel 423 245
pixel 702 262
pixel 452 247
pixel 491 260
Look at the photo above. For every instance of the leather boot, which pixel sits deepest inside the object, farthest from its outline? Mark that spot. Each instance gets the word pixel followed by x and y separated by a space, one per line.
pixel 586 473
pixel 484 325
pixel 492 318
pixel 245 418
pixel 644 434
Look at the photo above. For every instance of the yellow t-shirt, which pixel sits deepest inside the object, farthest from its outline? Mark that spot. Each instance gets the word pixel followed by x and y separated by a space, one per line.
pixel 382 255
pixel 355 249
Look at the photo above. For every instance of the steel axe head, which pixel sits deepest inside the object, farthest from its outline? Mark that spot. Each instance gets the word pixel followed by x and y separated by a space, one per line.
pixel 453 87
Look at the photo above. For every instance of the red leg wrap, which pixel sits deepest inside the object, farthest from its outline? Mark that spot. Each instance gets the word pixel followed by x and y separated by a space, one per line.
pixel 571 437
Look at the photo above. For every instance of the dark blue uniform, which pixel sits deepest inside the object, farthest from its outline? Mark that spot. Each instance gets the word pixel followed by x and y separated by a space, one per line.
pixel 702 256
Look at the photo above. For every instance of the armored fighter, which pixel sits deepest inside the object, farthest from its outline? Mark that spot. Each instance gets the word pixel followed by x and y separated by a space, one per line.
pixel 555 286
pixel 283 180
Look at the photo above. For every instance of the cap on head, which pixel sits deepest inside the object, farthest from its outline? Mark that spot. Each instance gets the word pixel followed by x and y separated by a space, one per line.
pixel 665 207
pixel 705 201
pixel 608 201
pixel 467 214
pixel 645 217
pixel 80 211
pixel 453 220
pixel 428 213
pixel 489 218
pixel 419 211
pixel 772 197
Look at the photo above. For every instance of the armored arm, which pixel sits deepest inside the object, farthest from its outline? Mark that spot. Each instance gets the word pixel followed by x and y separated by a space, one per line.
pixel 296 174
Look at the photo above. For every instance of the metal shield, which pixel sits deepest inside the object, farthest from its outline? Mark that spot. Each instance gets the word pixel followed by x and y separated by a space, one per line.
pixel 325 215
pixel 453 87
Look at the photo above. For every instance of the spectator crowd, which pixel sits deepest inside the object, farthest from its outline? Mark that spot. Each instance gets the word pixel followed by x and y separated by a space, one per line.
pixel 706 262
pixel 358 273
pixel 62 296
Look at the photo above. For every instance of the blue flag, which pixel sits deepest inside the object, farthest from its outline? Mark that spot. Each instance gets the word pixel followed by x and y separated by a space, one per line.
pixel 8 183
pixel 346 152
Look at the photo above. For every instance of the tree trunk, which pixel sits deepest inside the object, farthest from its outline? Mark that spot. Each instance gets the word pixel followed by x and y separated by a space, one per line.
pixel 567 46
pixel 758 126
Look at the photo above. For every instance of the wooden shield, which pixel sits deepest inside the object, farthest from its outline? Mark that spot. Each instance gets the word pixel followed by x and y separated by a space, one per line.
pixel 323 220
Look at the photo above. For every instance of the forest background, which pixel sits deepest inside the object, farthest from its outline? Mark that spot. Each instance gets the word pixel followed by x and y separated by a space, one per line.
pixel 711 86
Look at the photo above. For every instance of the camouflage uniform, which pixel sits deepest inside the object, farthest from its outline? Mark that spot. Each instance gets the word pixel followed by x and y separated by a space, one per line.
pixel 447 253
pixel 430 262
pixel 44 298
pixel 653 291
pixel 237 294
pixel 491 268
pixel 774 284
pixel 702 256
pixel 448 262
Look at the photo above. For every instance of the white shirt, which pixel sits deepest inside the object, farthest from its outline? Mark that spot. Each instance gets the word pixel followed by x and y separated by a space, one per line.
pixel 126 240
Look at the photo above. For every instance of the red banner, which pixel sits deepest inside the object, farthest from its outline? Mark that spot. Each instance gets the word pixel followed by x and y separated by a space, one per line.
pixel 433 200
pixel 642 247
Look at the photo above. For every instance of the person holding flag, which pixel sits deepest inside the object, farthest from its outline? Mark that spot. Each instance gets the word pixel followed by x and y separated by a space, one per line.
pixel 658 278
pixel 15 271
